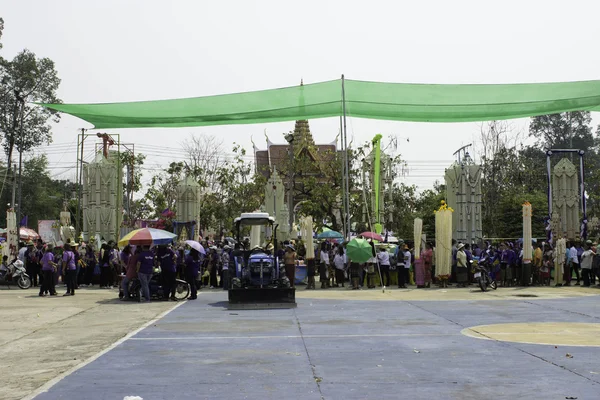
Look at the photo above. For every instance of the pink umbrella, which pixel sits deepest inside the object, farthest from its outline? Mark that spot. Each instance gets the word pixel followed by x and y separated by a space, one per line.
pixel 372 235
pixel 28 234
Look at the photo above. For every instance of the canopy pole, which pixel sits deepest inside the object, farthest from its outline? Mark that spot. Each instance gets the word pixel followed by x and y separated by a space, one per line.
pixel 20 209
pixel 343 179
pixel 79 172
pixel 346 164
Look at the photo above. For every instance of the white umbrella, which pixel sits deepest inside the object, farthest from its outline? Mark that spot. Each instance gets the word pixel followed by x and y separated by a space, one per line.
pixel 196 246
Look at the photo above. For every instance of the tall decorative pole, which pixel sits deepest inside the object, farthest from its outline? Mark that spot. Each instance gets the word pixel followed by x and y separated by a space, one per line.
pixel 527 250
pixel 418 231
pixel 527 246
pixel 559 260
pixel 443 243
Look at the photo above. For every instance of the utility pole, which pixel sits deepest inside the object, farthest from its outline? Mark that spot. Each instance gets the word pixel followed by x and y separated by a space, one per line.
pixel 79 173
pixel 20 148
pixel 14 188
pixel 346 162
pixel 291 172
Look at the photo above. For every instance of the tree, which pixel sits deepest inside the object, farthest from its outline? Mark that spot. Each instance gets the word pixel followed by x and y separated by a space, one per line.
pixel 426 204
pixel 42 196
pixel 569 130
pixel 205 156
pixel 404 209
pixel 162 193
pixel 24 81
pixel 133 183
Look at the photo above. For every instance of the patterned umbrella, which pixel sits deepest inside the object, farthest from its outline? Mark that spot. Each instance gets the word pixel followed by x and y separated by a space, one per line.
pixel 372 235
pixel 28 234
pixel 147 236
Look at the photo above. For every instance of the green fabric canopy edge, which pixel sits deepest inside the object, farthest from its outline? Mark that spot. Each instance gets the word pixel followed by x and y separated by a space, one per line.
pixel 364 99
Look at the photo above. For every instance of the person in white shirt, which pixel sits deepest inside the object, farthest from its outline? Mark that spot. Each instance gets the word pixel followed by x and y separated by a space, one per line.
pixel 586 263
pixel 384 265
pixel 339 262
pixel 324 267
pixel 22 251
pixel 572 262
pixel 404 260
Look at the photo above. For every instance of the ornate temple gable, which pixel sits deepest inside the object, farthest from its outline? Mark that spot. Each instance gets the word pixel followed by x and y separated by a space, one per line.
pixel 276 155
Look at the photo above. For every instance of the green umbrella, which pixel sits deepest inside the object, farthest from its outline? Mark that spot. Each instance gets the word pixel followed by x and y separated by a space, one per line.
pixel 359 250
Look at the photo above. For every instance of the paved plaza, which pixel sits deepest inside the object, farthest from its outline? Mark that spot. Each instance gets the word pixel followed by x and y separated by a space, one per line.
pixel 341 344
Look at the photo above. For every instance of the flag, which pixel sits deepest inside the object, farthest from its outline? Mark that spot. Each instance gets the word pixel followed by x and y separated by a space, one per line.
pixel 23 221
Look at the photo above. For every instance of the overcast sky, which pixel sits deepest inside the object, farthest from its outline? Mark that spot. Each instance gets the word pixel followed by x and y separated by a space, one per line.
pixel 125 50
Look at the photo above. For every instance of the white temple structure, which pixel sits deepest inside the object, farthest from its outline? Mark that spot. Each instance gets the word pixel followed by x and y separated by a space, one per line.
pixel 565 199
pixel 275 205
pixel 103 197
pixel 188 207
pixel 463 194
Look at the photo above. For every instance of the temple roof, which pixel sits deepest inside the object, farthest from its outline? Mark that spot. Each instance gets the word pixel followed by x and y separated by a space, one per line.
pixel 277 154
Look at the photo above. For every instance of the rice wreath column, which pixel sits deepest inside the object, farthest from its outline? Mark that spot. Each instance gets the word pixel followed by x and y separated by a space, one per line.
pixel 443 243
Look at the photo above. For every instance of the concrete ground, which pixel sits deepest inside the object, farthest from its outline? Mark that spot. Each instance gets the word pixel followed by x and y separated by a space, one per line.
pixel 338 344
pixel 42 337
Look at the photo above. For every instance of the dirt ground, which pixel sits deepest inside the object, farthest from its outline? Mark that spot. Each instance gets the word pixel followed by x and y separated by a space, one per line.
pixel 42 337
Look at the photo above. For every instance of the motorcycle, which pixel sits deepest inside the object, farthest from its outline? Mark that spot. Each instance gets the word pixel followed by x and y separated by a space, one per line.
pixel 483 276
pixel 16 274
pixel 182 289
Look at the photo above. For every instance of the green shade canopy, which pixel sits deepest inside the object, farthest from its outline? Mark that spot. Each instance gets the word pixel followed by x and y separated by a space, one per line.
pixel 376 100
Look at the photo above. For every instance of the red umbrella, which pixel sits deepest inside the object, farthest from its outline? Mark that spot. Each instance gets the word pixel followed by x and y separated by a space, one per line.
pixel 372 235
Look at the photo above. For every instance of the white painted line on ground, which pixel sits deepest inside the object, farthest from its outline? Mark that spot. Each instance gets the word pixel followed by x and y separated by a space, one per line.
pixel 296 336
pixel 52 382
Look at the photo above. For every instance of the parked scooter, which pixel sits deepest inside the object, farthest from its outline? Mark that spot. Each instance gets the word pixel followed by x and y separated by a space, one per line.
pixel 182 289
pixel 16 275
pixel 483 276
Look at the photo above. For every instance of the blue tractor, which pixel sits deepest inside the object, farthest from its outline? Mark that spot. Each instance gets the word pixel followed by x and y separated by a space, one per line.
pixel 259 280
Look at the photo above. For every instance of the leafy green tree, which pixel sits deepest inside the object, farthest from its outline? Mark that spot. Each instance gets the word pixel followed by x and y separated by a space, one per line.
pixel 241 190
pixel 162 192
pixel 133 183
pixel 42 196
pixel 569 130
pixel 404 209
pixel 425 205
pixel 24 81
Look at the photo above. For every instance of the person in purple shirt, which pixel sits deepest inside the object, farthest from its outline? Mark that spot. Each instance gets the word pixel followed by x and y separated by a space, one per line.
pixel 168 266
pixel 48 269
pixel 505 271
pixel 192 266
pixel 145 267
pixel 70 270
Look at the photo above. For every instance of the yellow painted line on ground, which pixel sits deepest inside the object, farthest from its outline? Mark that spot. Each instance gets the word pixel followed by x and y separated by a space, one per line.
pixel 547 333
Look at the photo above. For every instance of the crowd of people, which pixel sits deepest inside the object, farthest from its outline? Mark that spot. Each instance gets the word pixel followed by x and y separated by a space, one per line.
pixel 74 266
pixel 505 260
